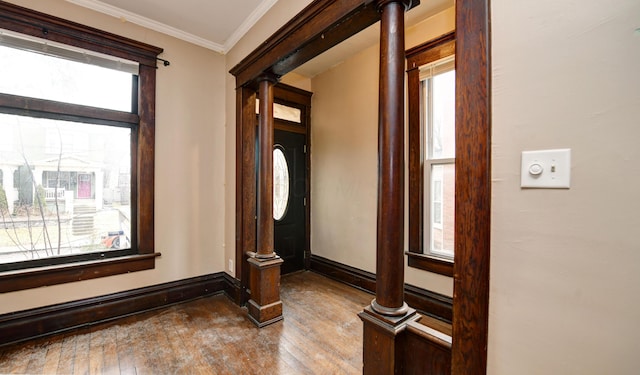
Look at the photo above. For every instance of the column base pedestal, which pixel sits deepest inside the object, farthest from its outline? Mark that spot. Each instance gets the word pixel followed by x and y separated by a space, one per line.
pixel 265 306
pixel 264 315
pixel 383 341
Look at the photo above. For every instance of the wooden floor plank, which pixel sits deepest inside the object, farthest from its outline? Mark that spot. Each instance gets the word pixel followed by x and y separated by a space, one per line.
pixel 188 349
pixel 53 355
pixel 96 350
pixel 67 354
pixel 38 358
pixel 18 361
pixel 320 334
pixel 227 329
pixel 81 360
pixel 124 346
pixel 110 363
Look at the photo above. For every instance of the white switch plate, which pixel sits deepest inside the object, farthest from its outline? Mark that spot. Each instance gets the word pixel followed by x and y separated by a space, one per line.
pixel 549 169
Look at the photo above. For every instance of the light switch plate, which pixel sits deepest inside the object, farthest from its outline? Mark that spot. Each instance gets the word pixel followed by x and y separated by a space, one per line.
pixel 550 169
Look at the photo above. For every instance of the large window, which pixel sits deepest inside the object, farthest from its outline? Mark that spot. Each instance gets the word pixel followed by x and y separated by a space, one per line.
pixel 76 115
pixel 437 83
pixel 431 100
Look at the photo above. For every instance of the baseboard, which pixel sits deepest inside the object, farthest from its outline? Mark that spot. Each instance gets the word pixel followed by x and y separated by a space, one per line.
pixel 426 302
pixel 43 321
pixel 233 289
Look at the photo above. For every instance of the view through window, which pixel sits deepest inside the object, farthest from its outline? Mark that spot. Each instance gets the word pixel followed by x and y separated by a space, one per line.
pixel 437 81
pixel 66 184
pixel 431 113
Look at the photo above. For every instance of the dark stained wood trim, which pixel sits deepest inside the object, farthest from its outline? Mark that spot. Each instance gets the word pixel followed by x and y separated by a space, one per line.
pixel 289 127
pixel 352 24
pixel 318 27
pixel 43 321
pixel 307 208
pixel 473 188
pixel 11 281
pixel 427 52
pixel 355 277
pixel 426 350
pixel 233 288
pixel 431 264
pixel 142 123
pixel 312 21
pixel 426 302
pixel 31 107
pixel 416 151
pixel 471 275
pixel 246 123
pixel 145 167
pixel 429 303
pixel 291 95
pixel 41 25
pixel 246 130
pixel 422 54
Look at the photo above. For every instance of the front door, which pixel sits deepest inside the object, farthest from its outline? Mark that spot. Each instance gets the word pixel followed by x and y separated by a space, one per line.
pixel 84 186
pixel 289 185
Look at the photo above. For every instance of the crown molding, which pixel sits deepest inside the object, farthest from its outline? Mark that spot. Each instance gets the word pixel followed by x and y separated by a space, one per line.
pixel 127 16
pixel 248 23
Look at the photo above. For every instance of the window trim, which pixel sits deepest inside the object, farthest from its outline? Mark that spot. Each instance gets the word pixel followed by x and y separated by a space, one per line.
pixel 29 22
pixel 418 56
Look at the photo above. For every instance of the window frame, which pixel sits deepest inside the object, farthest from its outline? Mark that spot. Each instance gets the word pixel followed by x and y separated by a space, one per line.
pixel 142 120
pixel 418 56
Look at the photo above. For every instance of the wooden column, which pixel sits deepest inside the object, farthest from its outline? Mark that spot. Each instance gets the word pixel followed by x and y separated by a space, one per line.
pixel 265 306
pixel 386 318
pixel 265 168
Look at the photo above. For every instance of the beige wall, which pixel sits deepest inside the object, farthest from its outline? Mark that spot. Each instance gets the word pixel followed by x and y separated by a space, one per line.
pixel 189 219
pixel 344 158
pixel 565 264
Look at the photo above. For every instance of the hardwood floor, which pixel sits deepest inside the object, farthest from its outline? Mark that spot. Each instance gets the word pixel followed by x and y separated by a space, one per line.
pixel 321 334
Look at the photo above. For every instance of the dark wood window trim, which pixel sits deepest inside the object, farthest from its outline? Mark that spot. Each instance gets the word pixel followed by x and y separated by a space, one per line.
pixel 425 53
pixel 29 22
pixel 431 264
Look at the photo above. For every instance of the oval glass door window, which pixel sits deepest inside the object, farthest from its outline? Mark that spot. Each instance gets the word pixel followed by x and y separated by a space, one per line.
pixel 280 184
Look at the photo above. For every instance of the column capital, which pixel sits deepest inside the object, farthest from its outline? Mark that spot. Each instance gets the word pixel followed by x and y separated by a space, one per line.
pixel 408 4
pixel 269 77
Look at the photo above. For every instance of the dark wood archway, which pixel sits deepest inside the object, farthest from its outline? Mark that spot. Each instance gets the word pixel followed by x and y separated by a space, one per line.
pixel 320 26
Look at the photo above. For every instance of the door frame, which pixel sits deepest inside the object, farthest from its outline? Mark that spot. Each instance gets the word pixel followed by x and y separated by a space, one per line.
pixel 246 133
pixel 322 25
pixel 301 99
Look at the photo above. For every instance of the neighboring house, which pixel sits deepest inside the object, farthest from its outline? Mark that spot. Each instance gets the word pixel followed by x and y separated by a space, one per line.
pixel 80 174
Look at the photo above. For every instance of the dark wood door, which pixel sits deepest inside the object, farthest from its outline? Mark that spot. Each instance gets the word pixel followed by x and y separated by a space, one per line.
pixel 289 229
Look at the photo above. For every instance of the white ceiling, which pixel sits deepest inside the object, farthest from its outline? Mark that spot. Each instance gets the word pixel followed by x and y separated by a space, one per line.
pixel 220 24
pixel 213 24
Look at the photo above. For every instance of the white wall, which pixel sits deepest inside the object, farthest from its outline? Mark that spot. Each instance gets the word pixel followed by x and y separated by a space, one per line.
pixel 344 158
pixel 565 264
pixel 189 181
